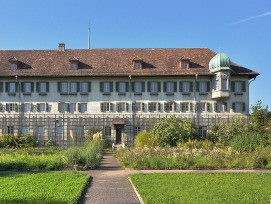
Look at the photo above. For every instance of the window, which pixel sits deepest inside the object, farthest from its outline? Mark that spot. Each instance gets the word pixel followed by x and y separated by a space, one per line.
pixel 217 87
pixel 13 66
pixel 154 87
pixel 154 107
pixel 74 65
pixel 137 65
pixel 107 131
pixel 72 107
pixel 42 87
pixel 122 107
pixel 80 130
pixel 63 87
pixel 59 131
pixel 138 106
pixel 26 107
pixel 238 87
pixel 25 130
pixel 186 87
pixel 106 87
pixel 122 87
pixel 203 86
pixel 41 107
pixel 62 107
pixel 203 107
pixel 170 107
pixel 11 87
pixel 106 107
pixel 11 107
pixel 82 107
pixel 73 87
pixel 10 130
pixel 220 107
pixel 170 87
pixel 138 87
pixel 185 107
pixel 26 87
pixel 238 107
pixel 85 87
pixel 184 64
pixel 137 129
pixel 224 84
pixel 40 132
pixel 202 132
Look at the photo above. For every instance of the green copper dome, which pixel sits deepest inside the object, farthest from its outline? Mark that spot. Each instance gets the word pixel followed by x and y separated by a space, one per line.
pixel 219 62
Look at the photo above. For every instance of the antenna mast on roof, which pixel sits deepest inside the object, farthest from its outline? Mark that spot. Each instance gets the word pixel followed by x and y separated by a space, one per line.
pixel 89 36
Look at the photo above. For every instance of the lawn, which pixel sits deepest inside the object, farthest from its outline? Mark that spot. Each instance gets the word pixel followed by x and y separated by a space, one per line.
pixel 53 187
pixel 203 188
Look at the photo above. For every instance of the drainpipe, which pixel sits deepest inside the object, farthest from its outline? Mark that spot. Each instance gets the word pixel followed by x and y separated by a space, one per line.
pixel 131 109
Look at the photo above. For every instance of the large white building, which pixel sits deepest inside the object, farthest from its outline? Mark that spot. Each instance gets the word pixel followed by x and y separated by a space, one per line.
pixel 60 94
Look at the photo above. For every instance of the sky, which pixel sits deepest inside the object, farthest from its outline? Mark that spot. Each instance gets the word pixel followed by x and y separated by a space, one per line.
pixel 242 29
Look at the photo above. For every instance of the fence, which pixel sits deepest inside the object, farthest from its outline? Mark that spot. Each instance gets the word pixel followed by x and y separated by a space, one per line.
pixel 66 130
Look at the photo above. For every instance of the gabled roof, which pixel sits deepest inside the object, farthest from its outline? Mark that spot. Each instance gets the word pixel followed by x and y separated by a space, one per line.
pixel 111 62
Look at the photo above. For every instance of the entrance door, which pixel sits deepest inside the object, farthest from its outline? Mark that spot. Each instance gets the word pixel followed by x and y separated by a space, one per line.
pixel 118 134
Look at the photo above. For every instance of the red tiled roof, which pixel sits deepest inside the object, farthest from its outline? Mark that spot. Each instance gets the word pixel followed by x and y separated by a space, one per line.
pixel 111 62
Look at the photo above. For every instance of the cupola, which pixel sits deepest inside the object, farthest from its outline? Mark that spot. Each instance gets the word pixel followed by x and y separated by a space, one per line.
pixel 219 62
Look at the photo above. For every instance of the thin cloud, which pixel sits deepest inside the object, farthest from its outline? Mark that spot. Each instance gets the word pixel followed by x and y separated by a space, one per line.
pixel 249 19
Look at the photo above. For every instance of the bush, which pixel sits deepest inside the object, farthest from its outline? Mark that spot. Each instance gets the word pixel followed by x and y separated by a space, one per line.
pixel 17 141
pixel 145 138
pixel 171 131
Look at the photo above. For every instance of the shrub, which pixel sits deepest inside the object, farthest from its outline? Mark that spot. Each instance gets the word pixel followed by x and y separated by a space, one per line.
pixel 145 138
pixel 171 131
pixel 17 141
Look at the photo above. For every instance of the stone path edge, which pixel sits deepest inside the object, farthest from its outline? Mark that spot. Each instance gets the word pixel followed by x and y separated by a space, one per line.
pixel 137 194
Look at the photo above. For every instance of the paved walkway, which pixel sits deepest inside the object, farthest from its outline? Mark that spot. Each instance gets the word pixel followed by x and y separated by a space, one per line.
pixel 110 184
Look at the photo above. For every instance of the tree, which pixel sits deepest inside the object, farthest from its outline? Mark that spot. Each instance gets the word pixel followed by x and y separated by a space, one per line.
pixel 170 131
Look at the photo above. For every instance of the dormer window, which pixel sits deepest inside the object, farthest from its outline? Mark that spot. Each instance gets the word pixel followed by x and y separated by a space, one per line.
pixel 137 63
pixel 13 63
pixel 74 62
pixel 184 63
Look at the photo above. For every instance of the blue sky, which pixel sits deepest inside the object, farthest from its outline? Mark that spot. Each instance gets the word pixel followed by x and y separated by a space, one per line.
pixel 242 29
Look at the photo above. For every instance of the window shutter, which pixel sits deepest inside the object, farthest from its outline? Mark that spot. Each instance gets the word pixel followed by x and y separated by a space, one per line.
pixel 181 86
pixel 117 86
pixel 127 87
pixel 133 106
pixel 143 107
pixel 149 86
pixel 197 86
pixel 1 107
pixel 133 86
pixel 38 107
pixel 47 87
pixel 59 86
pixel 101 107
pixel 127 107
pixel 32 107
pixel 215 107
pixel 191 107
pixel 225 107
pixel 17 87
pixel 89 86
pixel 191 87
pixel 197 108
pixel 182 107
pixel 8 107
pixel 7 86
pixel 1 86
pixel 143 86
pixel 174 106
pixel 208 107
pixel 22 87
pixel 37 86
pixel 59 107
pixel 244 107
pixel 165 86
pixel 175 86
pixel 111 86
pixel 111 106
pixel 243 86
pixel 47 107
pixel 117 107
pixel 78 86
pixel 149 107
pixel 158 106
pixel 101 87
pixel 233 86
pixel 16 107
pixel 67 107
pixel 159 86
pixel 208 86
pixel 233 107
pixel 79 107
pixel 32 86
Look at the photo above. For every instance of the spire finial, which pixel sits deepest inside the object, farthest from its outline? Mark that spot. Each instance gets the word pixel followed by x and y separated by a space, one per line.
pixel 88 35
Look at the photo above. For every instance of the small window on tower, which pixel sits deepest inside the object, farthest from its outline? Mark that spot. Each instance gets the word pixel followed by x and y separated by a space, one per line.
pixel 137 63
pixel 74 62
pixel 184 63
pixel 13 63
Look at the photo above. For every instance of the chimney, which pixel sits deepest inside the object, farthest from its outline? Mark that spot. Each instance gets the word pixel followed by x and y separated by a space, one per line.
pixel 61 47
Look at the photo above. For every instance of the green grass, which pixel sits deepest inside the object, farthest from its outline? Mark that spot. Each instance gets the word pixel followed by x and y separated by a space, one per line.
pixel 54 187
pixel 204 188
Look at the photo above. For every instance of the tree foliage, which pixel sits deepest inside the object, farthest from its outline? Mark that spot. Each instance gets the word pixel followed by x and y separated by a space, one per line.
pixel 145 138
pixel 171 131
